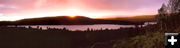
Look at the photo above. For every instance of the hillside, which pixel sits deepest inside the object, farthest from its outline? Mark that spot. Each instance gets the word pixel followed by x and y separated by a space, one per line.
pixel 143 18
pixel 65 20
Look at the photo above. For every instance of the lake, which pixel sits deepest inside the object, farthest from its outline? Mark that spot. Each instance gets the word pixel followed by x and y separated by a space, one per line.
pixel 84 27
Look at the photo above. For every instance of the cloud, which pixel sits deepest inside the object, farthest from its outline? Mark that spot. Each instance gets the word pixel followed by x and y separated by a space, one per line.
pixel 7 8
pixel 125 5
pixel 39 3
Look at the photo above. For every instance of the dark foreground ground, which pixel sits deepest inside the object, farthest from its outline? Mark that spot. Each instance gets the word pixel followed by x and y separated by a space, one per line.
pixel 19 37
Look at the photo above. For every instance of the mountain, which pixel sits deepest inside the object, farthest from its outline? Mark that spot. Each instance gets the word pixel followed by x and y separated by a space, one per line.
pixel 65 20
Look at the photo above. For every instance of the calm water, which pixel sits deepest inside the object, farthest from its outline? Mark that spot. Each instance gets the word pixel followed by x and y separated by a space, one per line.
pixel 84 27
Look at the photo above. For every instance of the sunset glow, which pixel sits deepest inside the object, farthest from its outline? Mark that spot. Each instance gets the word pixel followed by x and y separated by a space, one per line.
pixel 72 12
pixel 12 10
pixel 72 16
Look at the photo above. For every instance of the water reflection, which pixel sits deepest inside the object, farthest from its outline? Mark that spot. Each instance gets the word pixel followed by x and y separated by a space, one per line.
pixel 84 27
pixel 80 27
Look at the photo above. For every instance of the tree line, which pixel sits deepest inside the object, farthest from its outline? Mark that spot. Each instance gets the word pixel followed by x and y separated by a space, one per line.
pixel 168 17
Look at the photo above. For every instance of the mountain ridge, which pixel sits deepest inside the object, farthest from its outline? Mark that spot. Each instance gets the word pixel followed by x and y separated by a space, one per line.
pixel 66 20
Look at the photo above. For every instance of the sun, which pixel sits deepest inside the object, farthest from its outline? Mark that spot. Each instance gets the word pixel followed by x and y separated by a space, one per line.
pixel 72 16
pixel 72 13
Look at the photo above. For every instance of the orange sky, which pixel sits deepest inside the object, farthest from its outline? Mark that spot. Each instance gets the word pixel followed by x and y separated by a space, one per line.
pixel 12 10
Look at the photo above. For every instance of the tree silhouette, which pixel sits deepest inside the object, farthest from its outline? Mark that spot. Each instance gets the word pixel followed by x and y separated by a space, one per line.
pixel 169 15
pixel 162 16
pixel 174 6
pixel 174 10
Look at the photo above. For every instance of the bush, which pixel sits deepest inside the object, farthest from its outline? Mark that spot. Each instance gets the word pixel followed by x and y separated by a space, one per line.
pixel 149 40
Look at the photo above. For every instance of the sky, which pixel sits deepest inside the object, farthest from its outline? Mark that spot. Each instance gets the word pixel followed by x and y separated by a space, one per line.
pixel 11 10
